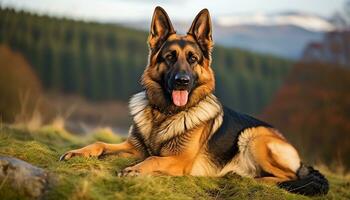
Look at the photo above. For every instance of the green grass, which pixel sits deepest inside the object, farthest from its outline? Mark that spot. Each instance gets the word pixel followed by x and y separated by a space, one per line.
pixel 92 178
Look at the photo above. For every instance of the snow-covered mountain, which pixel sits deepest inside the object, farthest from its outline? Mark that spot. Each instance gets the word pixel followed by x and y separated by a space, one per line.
pixel 284 34
pixel 282 40
pixel 303 20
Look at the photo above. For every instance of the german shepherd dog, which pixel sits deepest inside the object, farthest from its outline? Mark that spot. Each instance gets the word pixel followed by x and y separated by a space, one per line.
pixel 180 128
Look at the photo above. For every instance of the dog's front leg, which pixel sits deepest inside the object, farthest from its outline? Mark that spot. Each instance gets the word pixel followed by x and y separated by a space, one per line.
pixel 171 165
pixel 100 148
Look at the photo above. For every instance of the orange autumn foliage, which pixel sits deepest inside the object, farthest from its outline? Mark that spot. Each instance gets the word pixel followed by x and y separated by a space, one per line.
pixel 19 85
pixel 312 109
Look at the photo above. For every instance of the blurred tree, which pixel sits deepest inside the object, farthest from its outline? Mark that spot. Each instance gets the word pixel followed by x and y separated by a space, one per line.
pixel 19 85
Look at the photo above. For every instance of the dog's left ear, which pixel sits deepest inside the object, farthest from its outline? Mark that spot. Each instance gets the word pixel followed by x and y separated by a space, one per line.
pixel 161 28
pixel 201 30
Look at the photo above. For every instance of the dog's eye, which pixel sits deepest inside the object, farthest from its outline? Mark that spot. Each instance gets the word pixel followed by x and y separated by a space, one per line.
pixel 193 59
pixel 171 57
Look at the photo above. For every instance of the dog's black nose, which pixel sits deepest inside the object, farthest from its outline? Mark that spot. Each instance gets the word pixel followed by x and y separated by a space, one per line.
pixel 182 79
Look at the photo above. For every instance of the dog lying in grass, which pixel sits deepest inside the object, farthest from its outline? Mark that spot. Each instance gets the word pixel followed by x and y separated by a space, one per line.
pixel 181 128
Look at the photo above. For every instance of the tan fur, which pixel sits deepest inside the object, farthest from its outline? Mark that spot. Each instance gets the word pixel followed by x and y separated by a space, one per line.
pixel 170 163
pixel 254 156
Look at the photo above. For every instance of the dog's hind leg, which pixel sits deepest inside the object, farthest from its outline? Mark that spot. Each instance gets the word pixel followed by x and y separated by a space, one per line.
pixel 274 156
pixel 280 164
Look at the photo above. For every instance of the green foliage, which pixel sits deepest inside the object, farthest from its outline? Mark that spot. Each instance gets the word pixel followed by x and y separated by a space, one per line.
pixel 105 61
pixel 82 178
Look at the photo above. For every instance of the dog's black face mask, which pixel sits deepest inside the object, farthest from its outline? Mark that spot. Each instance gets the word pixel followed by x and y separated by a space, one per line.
pixel 179 80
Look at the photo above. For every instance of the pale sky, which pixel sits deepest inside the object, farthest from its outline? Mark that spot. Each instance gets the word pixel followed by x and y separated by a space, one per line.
pixel 124 10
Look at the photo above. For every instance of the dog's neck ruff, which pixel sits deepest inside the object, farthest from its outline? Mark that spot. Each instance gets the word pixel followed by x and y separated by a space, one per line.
pixel 209 108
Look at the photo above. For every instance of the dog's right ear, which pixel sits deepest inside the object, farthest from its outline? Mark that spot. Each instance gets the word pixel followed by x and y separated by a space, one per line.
pixel 161 28
pixel 201 30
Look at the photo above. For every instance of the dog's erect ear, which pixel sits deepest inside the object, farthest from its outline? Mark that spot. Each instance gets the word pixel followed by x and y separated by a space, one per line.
pixel 161 28
pixel 201 31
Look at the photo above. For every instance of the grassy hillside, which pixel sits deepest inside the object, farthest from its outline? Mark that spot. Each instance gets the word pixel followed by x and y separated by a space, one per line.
pixel 312 110
pixel 105 61
pixel 82 178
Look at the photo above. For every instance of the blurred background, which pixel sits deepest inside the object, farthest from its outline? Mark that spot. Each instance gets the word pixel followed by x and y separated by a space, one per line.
pixel 75 64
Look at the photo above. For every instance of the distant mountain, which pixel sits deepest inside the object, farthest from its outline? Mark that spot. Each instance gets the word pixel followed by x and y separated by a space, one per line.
pixel 283 34
pixel 282 40
pixel 306 21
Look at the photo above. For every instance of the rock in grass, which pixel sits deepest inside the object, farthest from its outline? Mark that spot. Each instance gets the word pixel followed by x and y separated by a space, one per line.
pixel 23 177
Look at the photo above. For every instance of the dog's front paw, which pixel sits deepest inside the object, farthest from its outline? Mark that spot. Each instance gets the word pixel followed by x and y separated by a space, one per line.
pixel 68 155
pixel 129 171
pixel 92 150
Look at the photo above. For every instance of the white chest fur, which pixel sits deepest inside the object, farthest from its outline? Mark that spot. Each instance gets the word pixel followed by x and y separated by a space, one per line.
pixel 175 125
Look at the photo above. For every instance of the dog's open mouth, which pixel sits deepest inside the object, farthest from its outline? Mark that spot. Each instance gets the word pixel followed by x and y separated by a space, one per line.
pixel 180 97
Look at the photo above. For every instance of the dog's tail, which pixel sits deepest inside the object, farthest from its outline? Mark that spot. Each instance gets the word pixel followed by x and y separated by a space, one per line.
pixel 310 182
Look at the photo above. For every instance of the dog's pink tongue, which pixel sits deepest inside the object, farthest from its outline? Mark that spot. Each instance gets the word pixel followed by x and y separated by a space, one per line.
pixel 180 97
